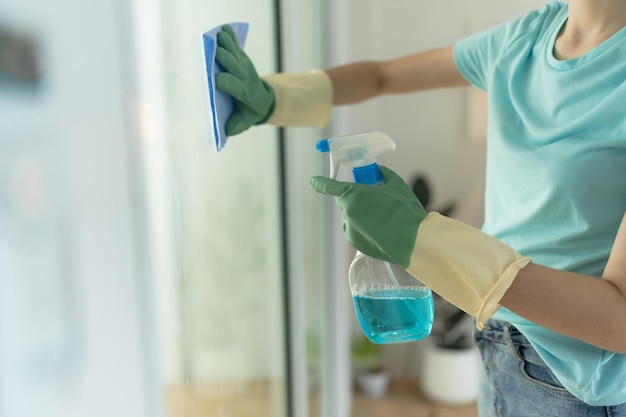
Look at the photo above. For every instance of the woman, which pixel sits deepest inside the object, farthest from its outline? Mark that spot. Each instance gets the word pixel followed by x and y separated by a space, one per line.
pixel 546 277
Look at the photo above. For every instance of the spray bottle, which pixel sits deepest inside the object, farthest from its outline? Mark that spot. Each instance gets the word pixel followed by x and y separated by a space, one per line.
pixel 392 306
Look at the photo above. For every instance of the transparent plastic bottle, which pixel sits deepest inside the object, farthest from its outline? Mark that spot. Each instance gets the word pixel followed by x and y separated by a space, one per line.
pixel 392 305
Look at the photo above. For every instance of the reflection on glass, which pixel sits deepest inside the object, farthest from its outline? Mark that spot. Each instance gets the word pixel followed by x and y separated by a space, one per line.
pixel 20 59
pixel 217 234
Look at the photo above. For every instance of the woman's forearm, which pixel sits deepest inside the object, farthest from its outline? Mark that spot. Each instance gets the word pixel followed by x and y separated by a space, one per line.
pixel 586 308
pixel 582 307
pixel 426 70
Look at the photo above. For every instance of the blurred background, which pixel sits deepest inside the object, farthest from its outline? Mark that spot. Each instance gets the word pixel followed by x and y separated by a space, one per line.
pixel 144 274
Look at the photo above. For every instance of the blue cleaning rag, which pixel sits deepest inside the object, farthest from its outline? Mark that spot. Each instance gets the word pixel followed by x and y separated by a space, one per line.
pixel 222 104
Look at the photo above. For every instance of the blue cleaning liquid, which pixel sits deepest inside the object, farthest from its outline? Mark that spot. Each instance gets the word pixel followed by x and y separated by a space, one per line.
pixel 395 315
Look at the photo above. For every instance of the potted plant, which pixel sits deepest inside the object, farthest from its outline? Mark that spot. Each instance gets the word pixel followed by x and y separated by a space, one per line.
pixel 452 327
pixel 369 372
pixel 451 361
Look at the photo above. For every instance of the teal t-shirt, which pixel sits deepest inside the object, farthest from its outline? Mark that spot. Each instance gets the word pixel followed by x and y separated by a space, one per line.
pixel 556 169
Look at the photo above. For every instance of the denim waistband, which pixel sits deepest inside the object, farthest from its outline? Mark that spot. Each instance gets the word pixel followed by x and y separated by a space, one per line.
pixel 502 332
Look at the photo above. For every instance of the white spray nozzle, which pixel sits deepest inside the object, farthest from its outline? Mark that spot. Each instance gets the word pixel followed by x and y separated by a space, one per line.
pixel 355 151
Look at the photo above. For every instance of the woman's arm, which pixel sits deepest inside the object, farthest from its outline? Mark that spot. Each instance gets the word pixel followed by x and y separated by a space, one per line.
pixel 421 71
pixel 586 308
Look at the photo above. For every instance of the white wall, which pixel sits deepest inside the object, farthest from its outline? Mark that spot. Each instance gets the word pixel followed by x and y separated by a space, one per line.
pixel 430 128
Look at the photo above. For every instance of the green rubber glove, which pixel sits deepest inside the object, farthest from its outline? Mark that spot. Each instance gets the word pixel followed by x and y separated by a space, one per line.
pixel 467 267
pixel 380 221
pixel 254 98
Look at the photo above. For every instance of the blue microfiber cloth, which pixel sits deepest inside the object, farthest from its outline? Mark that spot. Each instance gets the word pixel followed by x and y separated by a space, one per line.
pixel 222 104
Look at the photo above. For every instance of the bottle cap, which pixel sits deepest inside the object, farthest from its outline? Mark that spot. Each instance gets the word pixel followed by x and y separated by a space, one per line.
pixel 369 174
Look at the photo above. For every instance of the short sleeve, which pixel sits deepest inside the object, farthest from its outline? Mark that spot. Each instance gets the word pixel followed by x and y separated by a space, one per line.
pixel 477 55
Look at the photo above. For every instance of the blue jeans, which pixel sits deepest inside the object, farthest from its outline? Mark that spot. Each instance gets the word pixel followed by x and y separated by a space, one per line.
pixel 515 382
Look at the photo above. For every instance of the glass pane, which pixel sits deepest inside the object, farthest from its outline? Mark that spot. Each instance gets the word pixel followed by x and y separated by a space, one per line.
pixel 217 225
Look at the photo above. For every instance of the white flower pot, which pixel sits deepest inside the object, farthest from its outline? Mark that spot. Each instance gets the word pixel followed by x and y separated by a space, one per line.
pixel 451 376
pixel 373 385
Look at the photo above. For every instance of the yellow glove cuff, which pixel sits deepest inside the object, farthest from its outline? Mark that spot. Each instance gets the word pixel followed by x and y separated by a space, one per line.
pixel 301 99
pixel 467 267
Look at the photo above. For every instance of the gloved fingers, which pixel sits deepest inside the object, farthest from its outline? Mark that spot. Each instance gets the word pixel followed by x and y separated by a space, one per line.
pixel 349 234
pixel 236 123
pixel 229 62
pixel 228 40
pixel 359 241
pixel 324 185
pixel 393 181
pixel 229 29
pixel 232 86
pixel 388 175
